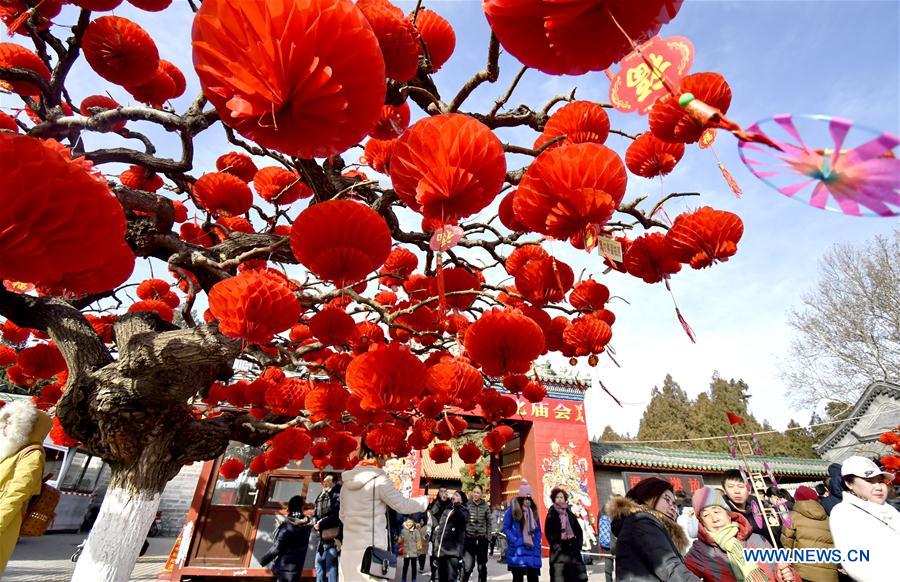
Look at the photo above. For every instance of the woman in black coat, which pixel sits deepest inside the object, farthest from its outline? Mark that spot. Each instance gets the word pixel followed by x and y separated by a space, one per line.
pixel 566 537
pixel 451 539
pixel 289 544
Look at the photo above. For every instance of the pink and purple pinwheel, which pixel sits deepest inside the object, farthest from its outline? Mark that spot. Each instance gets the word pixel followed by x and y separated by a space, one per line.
pixel 856 173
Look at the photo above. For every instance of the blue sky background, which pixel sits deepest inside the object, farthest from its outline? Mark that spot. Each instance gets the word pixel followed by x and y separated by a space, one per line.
pixel 836 58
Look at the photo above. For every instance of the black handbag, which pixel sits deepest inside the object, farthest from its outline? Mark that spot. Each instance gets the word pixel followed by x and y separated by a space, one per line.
pixel 377 562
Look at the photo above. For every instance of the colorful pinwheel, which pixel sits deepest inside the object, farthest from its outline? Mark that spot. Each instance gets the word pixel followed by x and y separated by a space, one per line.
pixel 856 172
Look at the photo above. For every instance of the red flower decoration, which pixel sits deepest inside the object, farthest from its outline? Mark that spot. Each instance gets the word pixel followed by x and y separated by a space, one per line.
pixel 470 453
pixel 448 167
pixel 704 236
pixel 392 122
pixel 440 453
pixel 304 78
pixel 333 326
pixel 589 295
pixel 120 51
pixel 651 257
pixel 504 342
pixel 388 377
pixel 45 238
pixel 397 38
pixel 221 193
pixel 544 280
pixel 649 157
pixel 254 305
pixel 579 121
pixel 238 164
pixel 279 186
pixel 231 469
pixel 572 38
pixel 14 55
pixel 438 36
pixel 570 187
pixel 671 122
pixel 340 241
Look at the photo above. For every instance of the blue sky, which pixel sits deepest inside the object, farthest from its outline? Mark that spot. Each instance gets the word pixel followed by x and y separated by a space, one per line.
pixel 837 58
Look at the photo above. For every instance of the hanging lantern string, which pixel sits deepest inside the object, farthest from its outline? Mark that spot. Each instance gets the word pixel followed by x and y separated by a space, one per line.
pixel 637 49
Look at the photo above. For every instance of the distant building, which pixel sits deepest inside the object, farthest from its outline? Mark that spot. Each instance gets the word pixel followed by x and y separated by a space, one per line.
pixel 876 411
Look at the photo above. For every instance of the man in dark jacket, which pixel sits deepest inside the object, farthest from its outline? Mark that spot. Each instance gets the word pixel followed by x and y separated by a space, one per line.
pixel 738 499
pixel 834 488
pixel 325 516
pixel 477 530
pixel 451 538
pixel 436 510
pixel 289 544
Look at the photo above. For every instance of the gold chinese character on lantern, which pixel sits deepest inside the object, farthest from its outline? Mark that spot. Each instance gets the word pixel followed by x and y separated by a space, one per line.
pixel 643 80
pixel 562 412
pixel 540 410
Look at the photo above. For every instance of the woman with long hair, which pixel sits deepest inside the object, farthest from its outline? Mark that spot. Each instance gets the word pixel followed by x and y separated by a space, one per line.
pixel 523 533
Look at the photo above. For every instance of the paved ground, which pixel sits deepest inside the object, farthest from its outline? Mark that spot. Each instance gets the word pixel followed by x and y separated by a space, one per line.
pixel 46 559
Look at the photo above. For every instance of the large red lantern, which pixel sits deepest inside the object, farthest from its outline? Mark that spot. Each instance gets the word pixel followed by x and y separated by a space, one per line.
pixel 279 186
pixel 650 257
pixel 457 280
pixel 521 256
pixel 649 157
pixel 504 342
pixel 340 241
pixel 327 401
pixel 470 453
pixel 222 193
pixel 387 377
pixel 704 236
pixel 14 55
pixel 587 335
pixel 544 280
pixel 397 38
pixel 120 51
pixel 437 35
pixel 61 227
pixel 440 453
pixel 589 295
pixel 570 187
pixel 579 122
pixel 452 380
pixel 333 326
pixel 304 77
pixel 385 438
pixel 448 167
pixel 671 122
pixel 377 154
pixel 400 263
pixel 254 305
pixel 575 36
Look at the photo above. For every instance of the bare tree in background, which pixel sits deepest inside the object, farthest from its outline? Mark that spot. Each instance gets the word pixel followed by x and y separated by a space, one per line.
pixel 848 331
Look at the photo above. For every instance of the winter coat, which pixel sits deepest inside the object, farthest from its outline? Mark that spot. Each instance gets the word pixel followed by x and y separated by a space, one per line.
pixel 356 513
pixel 758 529
pixel 451 533
pixel 810 529
pixel 834 488
pixel 289 547
pixel 436 510
pixel 648 544
pixel 328 506
pixel 479 524
pixel 604 532
pixel 518 555
pixel 21 424
pixel 566 564
pixel 497 521
pixel 710 562
pixel 553 528
pixel 410 539
pixel 857 524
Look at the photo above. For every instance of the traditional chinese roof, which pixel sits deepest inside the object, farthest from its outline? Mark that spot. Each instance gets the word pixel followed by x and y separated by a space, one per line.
pixel 560 386
pixel 865 401
pixel 625 455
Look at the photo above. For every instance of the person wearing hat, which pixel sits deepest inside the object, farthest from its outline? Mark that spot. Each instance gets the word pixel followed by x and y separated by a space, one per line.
pixel 649 543
pixel 809 528
pixel 451 538
pixel 863 521
pixel 522 527
pixel 723 535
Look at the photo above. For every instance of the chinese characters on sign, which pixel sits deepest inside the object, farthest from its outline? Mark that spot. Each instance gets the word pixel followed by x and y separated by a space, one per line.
pixel 638 84
pixel 552 410
pixel 679 482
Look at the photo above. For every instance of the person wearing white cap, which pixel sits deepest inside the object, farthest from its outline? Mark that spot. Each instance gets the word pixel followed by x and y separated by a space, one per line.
pixel 863 521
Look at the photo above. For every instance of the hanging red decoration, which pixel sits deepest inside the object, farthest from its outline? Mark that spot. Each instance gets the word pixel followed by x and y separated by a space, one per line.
pixel 151 5
pixel 392 122
pixel 454 381
pixel 8 123
pixel 494 442
pixel 254 305
pixel 286 397
pixel 504 341
pixel 195 235
pixel 587 335
pixel 342 444
pixel 651 257
pixel 400 263
pixel 579 122
pixel 437 35
pixel 7 356
pixel 520 257
pixel 515 382
pixel 458 279
pixel 161 308
pixel 671 122
pixel 280 186
pixel 159 89
pixel 333 326
pixel 440 453
pixel 470 453
pixel 340 241
pixel 448 167
pixel 14 13
pixel 305 78
pixel 704 236
pixel 385 438
pixel 231 469
pixel 294 442
pixel 649 157
pixel 14 55
pixel 66 243
pixel 450 427
pixel 589 295
pixel 506 431
pixel 139 178
pixel 120 51
pixel 421 319
pixel 418 287
pixel 327 401
pixel 397 38
pixel 508 216
pixel 567 188
pixel 42 361
pixel 572 38
pixel 545 280
pixel 221 193
pixel 429 407
pixel 387 377
pixel 377 154
pixel 59 437
pixel 237 164
pixel 94 104
pixel 367 335
pixel 386 298
pixel 534 392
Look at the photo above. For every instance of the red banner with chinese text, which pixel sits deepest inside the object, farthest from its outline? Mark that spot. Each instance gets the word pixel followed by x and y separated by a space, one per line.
pixel 637 86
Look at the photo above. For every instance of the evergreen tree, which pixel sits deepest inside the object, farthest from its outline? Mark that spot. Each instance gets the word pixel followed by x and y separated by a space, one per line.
pixel 667 416
pixel 609 434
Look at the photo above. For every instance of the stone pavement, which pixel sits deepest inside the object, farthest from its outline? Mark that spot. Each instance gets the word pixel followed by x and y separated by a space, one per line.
pixel 46 559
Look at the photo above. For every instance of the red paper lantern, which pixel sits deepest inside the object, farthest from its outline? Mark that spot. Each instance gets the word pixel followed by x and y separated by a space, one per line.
pixel 650 257
pixel 450 427
pixel 367 335
pixel 440 453
pixel 7 356
pixel 231 469
pixel 589 295
pixel 342 444
pixel 305 78
pixel 327 401
pixel 13 14
pixel 454 381
pixel 258 464
pixel 671 122
pixel 579 121
pixel 506 431
pixel 520 257
pixel 448 167
pixel 457 279
pixel 572 38
pixel 294 441
pixel 222 193
pixel 333 326
pixel 14 55
pixel 161 308
pixel 508 216
pixel 470 453
pixel 97 104
pixel 8 123
pixel 340 241
pixel 237 164
pixel 194 234
pixel 400 263
pixel 58 435
pixel 73 242
pixel 377 154
pixel 385 438
pixel 254 305
pixel 139 178
pixel 567 188
pixel 159 89
pixel 704 236
pixel 587 335
pixel 151 5
pixel 494 442
pixel 42 361
pixel 279 186
pixel 397 38
pixel 504 342
pixel 437 35
pixel 286 397
pixel 545 280
pixel 649 157
pixel 392 122
pixel 534 392
pixel 120 51
pixel 387 377
pixel 96 5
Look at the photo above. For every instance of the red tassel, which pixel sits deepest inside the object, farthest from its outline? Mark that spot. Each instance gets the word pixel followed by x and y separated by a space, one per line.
pixel 685 326
pixel 442 293
pixel 732 183
pixel 605 389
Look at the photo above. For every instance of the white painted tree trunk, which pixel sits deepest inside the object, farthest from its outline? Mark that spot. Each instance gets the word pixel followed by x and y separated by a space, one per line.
pixel 117 536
